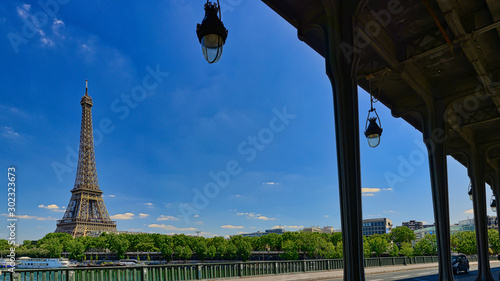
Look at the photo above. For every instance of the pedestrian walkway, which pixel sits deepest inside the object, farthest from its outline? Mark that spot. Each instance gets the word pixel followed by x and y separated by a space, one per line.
pixel 339 273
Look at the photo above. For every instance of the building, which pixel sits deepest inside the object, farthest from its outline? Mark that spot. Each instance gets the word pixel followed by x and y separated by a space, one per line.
pixel 464 225
pixel 376 226
pixel 413 225
pixel 266 232
pixel 492 222
pixel 325 229
pixel 86 214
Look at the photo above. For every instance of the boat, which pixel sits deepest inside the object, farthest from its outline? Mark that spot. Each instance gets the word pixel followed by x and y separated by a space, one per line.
pixel 25 262
pixel 128 262
pixel 6 263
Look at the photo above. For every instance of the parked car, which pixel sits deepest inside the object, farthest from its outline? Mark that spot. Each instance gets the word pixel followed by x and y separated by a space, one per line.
pixel 459 263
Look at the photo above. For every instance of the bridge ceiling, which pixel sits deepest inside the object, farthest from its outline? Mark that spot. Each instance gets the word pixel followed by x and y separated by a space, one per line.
pixel 422 54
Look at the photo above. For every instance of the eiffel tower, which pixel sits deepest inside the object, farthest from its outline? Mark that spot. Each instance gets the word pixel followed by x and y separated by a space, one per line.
pixel 86 214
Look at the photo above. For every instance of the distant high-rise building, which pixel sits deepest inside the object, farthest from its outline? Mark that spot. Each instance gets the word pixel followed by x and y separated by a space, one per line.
pixel 376 226
pixel 86 214
pixel 413 225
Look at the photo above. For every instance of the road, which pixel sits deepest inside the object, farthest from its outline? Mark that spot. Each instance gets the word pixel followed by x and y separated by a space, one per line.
pixel 430 274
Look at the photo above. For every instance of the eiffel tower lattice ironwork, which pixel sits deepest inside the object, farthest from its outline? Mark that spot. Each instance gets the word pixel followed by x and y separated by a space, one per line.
pixel 86 214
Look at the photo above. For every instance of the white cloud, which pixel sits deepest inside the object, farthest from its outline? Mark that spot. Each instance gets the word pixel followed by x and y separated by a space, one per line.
pixel 167 218
pixel 171 227
pixel 198 222
pixel 126 216
pixel 471 211
pixel 326 216
pixel 52 207
pixel 368 194
pixel 370 190
pixel 111 196
pixel 8 132
pixel 196 216
pixel 228 226
pixel 149 204
pixel 142 216
pixel 49 218
pixel 270 183
pixel 25 217
pixel 387 189
pixel 255 216
pixel 264 218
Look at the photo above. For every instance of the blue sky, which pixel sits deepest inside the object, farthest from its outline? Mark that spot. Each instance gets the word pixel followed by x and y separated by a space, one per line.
pixel 156 150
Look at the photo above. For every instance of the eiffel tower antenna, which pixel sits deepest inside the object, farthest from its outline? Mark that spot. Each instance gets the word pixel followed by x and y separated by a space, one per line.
pixel 86 214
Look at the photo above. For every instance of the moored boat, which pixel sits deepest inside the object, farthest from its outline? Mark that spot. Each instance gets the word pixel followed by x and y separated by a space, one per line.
pixel 25 262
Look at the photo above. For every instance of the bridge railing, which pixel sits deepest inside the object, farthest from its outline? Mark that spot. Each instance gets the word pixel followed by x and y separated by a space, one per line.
pixel 197 271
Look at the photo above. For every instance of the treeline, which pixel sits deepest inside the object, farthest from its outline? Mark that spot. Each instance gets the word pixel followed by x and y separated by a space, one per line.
pixel 294 245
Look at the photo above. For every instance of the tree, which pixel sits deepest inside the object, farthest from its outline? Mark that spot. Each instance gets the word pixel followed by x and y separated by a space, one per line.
pixel 378 244
pixel 166 247
pixel 211 252
pixel 394 251
pixel 465 242
pixel 494 240
pixel 201 250
pixel 290 251
pixel 402 234
pixel 406 249
pixel 243 247
pixel 119 244
pixel 231 252
pixel 54 246
pixel 426 246
pixel 4 244
pixel 366 249
pixel 186 253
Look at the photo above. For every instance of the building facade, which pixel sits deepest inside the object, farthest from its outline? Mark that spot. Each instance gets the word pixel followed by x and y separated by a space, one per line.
pixel 266 232
pixel 413 225
pixel 376 226
pixel 325 229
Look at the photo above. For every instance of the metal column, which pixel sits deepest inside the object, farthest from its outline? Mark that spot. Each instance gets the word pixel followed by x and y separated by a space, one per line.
pixel 342 73
pixel 477 174
pixel 435 138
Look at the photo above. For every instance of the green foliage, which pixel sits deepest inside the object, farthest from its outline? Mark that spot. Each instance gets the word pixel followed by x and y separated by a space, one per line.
pixel 394 250
pixel 427 246
pixel 211 252
pixel 243 247
pixel 406 249
pixel 118 244
pixel 378 244
pixel 494 241
pixel 4 244
pixel 53 245
pixel 464 242
pixel 291 251
pixel 201 250
pixel 366 249
pixel 402 234
pixel 166 247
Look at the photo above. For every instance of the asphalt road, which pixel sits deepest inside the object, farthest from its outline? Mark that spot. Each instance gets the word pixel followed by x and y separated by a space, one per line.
pixel 430 274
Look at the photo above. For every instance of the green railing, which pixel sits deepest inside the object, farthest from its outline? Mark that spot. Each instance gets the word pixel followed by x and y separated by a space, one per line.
pixel 176 272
